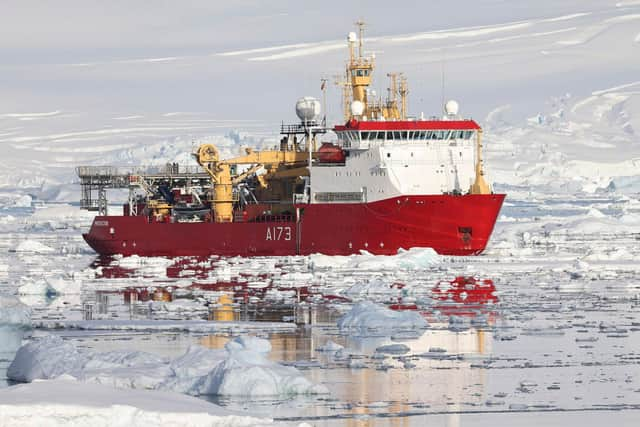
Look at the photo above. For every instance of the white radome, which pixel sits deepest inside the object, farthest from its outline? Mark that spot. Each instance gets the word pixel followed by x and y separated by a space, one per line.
pixel 307 108
pixel 352 37
pixel 357 108
pixel 451 108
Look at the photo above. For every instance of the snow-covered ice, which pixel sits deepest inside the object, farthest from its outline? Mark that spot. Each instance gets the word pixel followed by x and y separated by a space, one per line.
pixel 13 313
pixel 241 369
pixel 247 372
pixel 368 318
pixel 412 259
pixel 160 325
pixel 33 246
pixel 68 402
pixel 15 320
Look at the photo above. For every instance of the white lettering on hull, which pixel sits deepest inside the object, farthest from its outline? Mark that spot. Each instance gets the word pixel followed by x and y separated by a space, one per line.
pixel 278 233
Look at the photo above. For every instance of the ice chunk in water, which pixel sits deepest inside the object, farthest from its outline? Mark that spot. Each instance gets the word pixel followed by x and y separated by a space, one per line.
pixel 247 372
pixel 330 346
pixel 15 319
pixel 14 313
pixel 369 319
pixel 46 358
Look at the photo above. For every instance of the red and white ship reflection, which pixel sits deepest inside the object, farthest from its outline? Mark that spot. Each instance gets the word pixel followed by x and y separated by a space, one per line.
pixel 464 296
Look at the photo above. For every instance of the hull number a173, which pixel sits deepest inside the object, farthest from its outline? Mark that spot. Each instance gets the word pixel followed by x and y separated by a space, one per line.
pixel 278 233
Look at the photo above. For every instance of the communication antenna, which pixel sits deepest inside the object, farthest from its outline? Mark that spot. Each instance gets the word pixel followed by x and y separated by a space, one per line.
pixel 323 88
pixel 442 79
pixel 360 23
pixel 343 82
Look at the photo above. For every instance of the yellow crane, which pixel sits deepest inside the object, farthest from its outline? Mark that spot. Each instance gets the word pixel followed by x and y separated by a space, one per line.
pixel 208 156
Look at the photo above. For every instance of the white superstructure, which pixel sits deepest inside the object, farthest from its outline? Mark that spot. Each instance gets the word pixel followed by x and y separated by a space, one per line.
pixel 384 164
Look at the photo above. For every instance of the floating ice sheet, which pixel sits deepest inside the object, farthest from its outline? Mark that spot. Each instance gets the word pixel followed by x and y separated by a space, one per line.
pixel 369 319
pixel 69 402
pixel 241 369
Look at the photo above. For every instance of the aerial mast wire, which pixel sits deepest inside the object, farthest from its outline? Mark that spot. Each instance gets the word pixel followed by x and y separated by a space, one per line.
pixel 442 79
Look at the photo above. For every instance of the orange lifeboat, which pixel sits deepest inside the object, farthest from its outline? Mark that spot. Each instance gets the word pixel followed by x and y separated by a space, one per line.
pixel 330 153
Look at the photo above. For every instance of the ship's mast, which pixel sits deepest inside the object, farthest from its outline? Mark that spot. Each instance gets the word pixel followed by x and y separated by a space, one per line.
pixel 403 92
pixel 358 77
pixel 346 94
pixel 360 24
pixel 323 88
pixel 359 69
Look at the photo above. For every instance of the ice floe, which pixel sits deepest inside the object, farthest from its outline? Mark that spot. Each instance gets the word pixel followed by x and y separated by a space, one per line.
pixel 247 372
pixel 241 369
pixel 160 325
pixel 367 318
pixel 14 313
pixel 15 320
pixel 412 259
pixel 68 402
pixel 32 246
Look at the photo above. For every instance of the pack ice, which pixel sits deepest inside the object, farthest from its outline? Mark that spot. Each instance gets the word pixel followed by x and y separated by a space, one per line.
pixel 241 369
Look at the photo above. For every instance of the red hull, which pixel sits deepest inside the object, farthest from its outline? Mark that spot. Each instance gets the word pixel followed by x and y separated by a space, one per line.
pixel 452 225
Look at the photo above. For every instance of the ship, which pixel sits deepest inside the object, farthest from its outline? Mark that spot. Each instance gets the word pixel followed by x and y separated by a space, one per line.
pixel 384 182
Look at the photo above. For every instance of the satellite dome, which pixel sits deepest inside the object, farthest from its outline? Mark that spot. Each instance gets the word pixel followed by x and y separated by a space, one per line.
pixel 307 108
pixel 357 108
pixel 451 108
pixel 352 37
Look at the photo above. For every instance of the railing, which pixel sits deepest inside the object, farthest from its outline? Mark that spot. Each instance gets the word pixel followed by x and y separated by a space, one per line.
pixel 113 171
pixel 273 218
pixel 339 197
pixel 298 128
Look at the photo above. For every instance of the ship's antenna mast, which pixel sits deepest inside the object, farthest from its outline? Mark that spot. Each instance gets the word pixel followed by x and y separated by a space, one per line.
pixel 360 24
pixel 403 92
pixel 323 88
pixel 346 93
pixel 442 78
pixel 392 90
